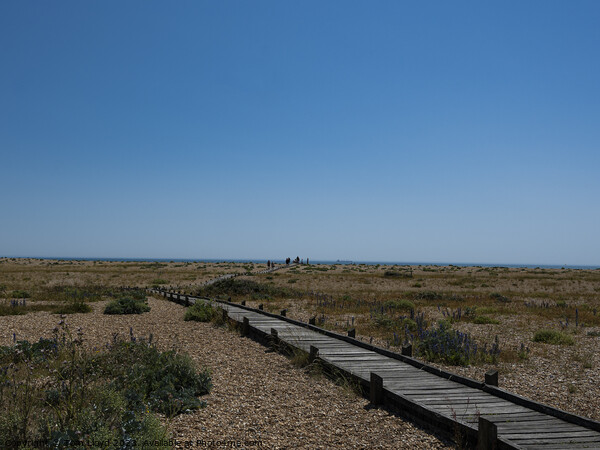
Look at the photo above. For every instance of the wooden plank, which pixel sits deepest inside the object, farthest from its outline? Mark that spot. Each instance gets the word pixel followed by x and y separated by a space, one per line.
pixel 454 397
pixel 479 409
pixel 509 427
pixel 408 383
pixel 587 446
pixel 564 441
pixel 362 359
pixel 407 388
pixel 464 401
pixel 550 435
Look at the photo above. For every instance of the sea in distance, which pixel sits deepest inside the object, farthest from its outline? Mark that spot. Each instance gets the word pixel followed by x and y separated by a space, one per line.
pixel 282 261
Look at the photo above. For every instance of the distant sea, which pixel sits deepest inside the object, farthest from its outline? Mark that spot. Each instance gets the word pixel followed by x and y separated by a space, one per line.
pixel 282 261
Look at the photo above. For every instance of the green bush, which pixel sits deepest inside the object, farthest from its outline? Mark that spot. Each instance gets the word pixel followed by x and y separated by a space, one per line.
pixel 499 297
pixel 553 337
pixel 427 295
pixel 402 304
pixel 200 312
pixel 443 344
pixel 55 391
pixel 73 307
pixel 126 305
pixel 246 288
pixel 19 294
pixel 485 320
pixel 165 382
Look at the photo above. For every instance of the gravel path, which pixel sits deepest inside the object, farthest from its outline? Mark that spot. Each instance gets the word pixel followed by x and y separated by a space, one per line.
pixel 258 397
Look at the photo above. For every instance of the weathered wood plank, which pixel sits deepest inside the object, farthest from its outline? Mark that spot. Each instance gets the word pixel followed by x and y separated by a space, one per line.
pixel 552 435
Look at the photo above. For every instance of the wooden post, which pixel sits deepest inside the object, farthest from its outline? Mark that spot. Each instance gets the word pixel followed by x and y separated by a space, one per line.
pixel 314 353
pixel 224 313
pixel 352 333
pixel 260 306
pixel 283 312
pixel 187 301
pixel 491 377
pixel 312 320
pixel 487 436
pixel 245 327
pixel 243 302
pixel 376 387
pixel 407 350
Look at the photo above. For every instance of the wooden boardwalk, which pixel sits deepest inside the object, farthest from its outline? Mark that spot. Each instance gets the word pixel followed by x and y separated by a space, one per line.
pixel 483 413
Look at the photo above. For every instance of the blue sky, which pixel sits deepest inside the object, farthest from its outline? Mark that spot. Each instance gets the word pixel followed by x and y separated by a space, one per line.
pixel 389 131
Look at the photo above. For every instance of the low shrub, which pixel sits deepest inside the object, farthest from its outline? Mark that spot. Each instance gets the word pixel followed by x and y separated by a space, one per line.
pixel 553 337
pixel 55 391
pixel 428 295
pixel 485 320
pixel 77 306
pixel 444 344
pixel 246 288
pixel 165 382
pixel 402 304
pixel 200 312
pixel 126 305
pixel 499 297
pixel 19 294
pixel 397 274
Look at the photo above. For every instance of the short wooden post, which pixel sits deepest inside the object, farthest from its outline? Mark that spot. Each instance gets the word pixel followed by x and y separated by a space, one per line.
pixel 245 327
pixel 314 354
pixel 487 435
pixel 312 321
pixel 224 315
pixel 352 333
pixel 260 306
pixel 283 312
pixel 491 377
pixel 407 350
pixel 376 387
pixel 243 302
pixel 187 301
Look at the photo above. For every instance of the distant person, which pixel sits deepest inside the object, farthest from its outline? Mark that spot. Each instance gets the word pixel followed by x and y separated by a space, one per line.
pixel 307 263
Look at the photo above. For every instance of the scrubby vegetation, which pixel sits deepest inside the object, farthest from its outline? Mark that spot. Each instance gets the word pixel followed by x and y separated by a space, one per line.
pixel 68 299
pixel 56 393
pixel 200 312
pixel 127 305
pixel 553 337
pixel 246 288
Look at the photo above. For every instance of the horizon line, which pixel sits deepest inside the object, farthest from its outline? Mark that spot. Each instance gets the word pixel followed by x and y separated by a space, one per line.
pixel 315 261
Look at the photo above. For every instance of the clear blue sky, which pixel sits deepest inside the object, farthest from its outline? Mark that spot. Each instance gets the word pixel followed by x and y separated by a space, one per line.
pixel 389 130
